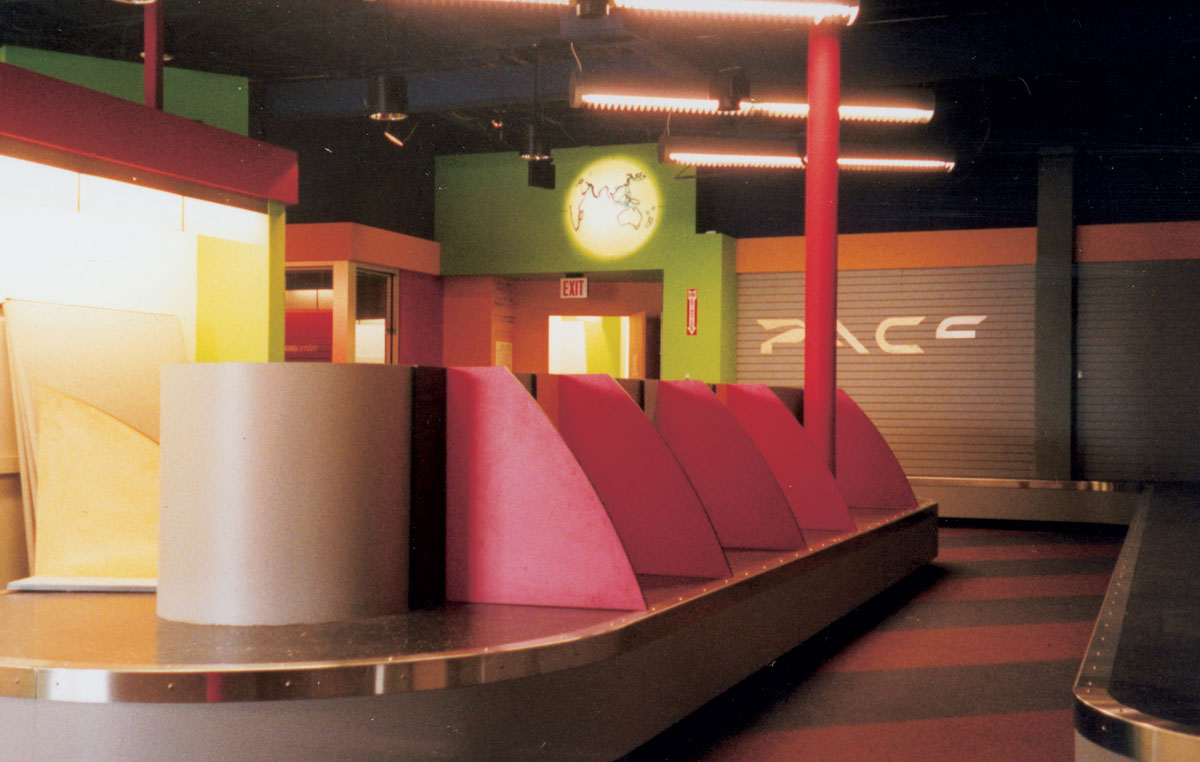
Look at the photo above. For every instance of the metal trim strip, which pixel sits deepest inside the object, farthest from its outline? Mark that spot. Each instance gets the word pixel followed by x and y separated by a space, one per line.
pixel 1099 716
pixel 625 632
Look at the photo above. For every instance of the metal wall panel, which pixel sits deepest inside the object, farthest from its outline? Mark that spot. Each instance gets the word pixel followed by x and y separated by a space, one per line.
pixel 958 405
pixel 1137 396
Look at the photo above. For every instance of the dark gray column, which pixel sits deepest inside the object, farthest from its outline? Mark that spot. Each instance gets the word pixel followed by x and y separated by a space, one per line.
pixel 1053 356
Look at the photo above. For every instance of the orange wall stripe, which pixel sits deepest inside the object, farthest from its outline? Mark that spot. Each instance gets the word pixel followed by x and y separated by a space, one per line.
pixel 882 251
pixel 970 248
pixel 1137 242
pixel 341 241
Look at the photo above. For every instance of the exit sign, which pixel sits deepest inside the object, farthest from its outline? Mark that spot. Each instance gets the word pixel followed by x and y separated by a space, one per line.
pixel 693 311
pixel 572 288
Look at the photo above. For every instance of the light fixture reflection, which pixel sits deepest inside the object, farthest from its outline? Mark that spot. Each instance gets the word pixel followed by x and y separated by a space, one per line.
pixel 736 153
pixel 621 93
pixel 783 10
pixel 396 140
pixel 808 11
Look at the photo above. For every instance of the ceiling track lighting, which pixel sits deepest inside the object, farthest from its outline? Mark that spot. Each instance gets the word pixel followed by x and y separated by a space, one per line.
pixel 535 145
pixel 730 95
pixel 534 148
pixel 387 98
pixel 738 153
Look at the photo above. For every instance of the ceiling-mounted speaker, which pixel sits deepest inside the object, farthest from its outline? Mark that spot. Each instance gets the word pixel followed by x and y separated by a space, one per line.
pixel 541 174
pixel 729 88
pixel 387 97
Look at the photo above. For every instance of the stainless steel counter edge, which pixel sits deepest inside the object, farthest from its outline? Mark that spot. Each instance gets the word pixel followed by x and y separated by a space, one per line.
pixel 201 683
pixel 992 483
pixel 1099 716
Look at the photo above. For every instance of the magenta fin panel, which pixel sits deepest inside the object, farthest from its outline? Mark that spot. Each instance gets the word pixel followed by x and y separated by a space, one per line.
pixel 523 524
pixel 867 470
pixel 810 489
pixel 735 485
pixel 652 504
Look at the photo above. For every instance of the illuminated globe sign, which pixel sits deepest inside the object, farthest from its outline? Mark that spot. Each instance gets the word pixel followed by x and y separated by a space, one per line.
pixel 612 207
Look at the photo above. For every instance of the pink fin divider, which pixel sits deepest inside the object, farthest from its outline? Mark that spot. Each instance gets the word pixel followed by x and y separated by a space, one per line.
pixel 809 487
pixel 867 470
pixel 652 504
pixel 747 506
pixel 523 524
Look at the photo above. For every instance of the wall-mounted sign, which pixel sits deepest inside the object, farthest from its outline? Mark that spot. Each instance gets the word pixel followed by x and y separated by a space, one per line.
pixel 693 309
pixel 792 332
pixel 572 288
pixel 612 207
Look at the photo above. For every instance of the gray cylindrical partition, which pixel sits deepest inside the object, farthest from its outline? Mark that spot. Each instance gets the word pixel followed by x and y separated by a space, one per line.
pixel 283 492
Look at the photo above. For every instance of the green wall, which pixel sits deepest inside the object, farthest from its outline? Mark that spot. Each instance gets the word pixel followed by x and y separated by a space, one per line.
pixel 490 222
pixel 214 99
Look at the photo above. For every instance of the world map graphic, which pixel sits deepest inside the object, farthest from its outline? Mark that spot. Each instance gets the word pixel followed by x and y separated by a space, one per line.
pixel 612 208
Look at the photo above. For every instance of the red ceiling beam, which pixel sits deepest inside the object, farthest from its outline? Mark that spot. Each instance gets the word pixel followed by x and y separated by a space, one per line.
pixel 99 130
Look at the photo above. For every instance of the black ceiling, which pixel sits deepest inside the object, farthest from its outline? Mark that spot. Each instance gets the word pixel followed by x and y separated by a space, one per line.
pixel 1116 82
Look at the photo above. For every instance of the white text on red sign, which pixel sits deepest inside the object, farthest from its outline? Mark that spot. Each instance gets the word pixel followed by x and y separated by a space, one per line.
pixel 953 327
pixel 693 308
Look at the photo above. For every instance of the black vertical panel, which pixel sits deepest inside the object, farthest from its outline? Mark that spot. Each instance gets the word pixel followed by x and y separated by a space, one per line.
pixel 1137 382
pixel 1053 310
pixel 634 388
pixel 427 504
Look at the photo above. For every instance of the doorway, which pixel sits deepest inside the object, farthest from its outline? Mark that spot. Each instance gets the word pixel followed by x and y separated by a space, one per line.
pixel 612 344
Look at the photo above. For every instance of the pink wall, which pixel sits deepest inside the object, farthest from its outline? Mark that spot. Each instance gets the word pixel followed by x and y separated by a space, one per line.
pixel 420 319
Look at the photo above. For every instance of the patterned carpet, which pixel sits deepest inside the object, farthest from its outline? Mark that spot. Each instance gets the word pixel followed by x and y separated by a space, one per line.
pixel 971 658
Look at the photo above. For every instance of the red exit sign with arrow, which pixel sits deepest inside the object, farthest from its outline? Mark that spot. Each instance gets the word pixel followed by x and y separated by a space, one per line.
pixel 693 308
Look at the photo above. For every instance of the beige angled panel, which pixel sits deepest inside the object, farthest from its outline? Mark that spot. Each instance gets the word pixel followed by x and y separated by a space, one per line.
pixel 284 492
pixel 108 359
pixel 97 506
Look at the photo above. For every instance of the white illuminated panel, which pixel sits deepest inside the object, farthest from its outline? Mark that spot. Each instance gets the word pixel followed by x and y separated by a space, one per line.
pixel 27 182
pixel 228 222
pixel 370 341
pixel 132 203
pixel 70 258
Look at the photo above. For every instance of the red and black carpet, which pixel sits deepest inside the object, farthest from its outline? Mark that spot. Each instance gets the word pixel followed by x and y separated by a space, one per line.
pixel 971 658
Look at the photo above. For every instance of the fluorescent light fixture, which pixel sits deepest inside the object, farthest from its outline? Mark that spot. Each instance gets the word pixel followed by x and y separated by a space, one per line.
pixel 782 10
pixel 736 153
pixel 622 93
pixel 136 2
pixel 894 164
pixel 729 153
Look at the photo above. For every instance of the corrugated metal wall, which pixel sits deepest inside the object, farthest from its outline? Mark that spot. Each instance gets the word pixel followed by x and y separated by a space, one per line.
pixel 956 405
pixel 1138 371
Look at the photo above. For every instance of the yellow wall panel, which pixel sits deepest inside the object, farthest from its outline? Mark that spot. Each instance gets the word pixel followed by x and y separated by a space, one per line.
pixel 233 301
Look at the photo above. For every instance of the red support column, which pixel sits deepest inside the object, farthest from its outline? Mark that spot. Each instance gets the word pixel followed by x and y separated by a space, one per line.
pixel 820 233
pixel 152 44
